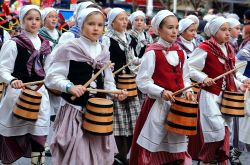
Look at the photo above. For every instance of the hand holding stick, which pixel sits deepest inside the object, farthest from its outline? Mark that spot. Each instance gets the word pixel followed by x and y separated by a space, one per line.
pixel 215 79
pixel 124 66
pixel 94 77
pixel 33 83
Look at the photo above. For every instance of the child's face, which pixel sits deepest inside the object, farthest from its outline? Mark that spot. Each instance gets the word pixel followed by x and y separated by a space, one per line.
pixel 139 23
pixel 93 27
pixel 121 22
pixel 235 31
pixel 32 21
pixel 169 28
pixel 51 20
pixel 190 32
pixel 223 34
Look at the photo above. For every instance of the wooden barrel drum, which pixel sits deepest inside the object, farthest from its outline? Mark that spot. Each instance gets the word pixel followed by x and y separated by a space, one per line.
pixel 127 81
pixel 28 105
pixel 98 120
pixel 182 118
pixel 233 104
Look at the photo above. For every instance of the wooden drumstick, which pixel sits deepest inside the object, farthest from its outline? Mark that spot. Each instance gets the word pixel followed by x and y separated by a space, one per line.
pixel 246 94
pixel 215 79
pixel 124 66
pixel 105 91
pixel 33 83
pixel 94 77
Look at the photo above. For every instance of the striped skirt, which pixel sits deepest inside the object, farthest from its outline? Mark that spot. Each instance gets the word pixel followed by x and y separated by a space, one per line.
pixel 15 147
pixel 71 145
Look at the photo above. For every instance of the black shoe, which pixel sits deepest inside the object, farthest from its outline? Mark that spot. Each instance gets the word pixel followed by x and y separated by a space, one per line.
pixel 118 162
pixel 48 153
pixel 234 156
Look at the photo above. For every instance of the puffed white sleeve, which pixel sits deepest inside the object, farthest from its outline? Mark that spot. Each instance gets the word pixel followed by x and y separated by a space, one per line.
pixel 144 77
pixel 56 76
pixel 6 36
pixel 239 72
pixel 8 56
pixel 196 62
pixel 109 81
pixel 65 37
pixel 186 73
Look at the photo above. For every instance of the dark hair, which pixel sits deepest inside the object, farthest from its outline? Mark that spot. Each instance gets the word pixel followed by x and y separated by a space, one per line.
pixel 80 1
pixel 95 6
pixel 162 22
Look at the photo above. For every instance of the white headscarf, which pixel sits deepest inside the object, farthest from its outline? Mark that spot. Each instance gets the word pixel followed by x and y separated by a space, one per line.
pixel 233 22
pixel 194 18
pixel 209 17
pixel 184 24
pixel 158 18
pixel 25 9
pixel 46 11
pixel 214 25
pixel 136 14
pixel 81 6
pixel 233 15
pixel 112 15
pixel 83 15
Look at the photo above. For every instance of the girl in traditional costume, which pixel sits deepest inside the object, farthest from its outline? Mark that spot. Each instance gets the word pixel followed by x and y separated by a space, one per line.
pixel 22 60
pixel 211 59
pixel 73 65
pixel 164 70
pixel 127 111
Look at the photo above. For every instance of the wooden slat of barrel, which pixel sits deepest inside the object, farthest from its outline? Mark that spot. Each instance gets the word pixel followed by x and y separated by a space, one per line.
pixel 126 86
pixel 181 131
pixel 233 103
pixel 99 109
pixel 30 99
pixel 102 119
pixel 233 112
pixel 25 114
pixel 28 106
pixel 100 129
pixel 182 120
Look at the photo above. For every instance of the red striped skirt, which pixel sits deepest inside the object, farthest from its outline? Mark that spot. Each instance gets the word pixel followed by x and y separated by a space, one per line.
pixel 159 158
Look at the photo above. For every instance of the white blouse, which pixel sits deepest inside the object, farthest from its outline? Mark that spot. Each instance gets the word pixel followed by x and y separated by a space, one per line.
pixel 188 44
pixel 8 56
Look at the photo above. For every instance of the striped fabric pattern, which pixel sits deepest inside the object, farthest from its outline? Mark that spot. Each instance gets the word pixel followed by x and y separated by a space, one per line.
pixel 125 115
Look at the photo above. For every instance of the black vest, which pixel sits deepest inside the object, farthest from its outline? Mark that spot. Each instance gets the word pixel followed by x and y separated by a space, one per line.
pixel 79 74
pixel 117 56
pixel 134 42
pixel 20 68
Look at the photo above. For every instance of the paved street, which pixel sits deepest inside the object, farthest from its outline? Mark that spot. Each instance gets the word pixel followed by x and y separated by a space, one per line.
pixel 245 159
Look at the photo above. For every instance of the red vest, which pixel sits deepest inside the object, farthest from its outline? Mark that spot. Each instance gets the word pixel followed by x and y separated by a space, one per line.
pixel 166 75
pixel 213 68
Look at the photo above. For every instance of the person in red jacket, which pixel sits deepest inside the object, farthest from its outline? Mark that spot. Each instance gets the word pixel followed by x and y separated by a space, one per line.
pixel 163 71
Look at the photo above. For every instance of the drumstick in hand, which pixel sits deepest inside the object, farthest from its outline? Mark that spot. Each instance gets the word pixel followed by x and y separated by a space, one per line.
pixel 94 77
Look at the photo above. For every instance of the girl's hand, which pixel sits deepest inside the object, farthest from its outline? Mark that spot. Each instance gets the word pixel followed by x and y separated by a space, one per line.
pixel 247 81
pixel 244 87
pixel 122 96
pixel 77 90
pixel 208 82
pixel 17 84
pixel 190 96
pixel 168 95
